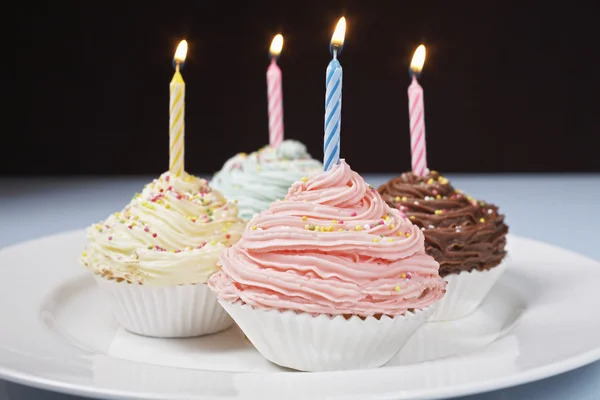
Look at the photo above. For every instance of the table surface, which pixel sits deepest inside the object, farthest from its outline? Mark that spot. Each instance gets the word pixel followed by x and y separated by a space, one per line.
pixel 558 209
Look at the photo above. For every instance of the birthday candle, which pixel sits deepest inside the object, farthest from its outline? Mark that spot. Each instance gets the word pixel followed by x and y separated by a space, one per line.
pixel 274 94
pixel 176 113
pixel 333 99
pixel 416 112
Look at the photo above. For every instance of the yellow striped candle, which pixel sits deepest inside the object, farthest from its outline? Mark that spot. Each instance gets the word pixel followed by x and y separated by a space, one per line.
pixel 177 111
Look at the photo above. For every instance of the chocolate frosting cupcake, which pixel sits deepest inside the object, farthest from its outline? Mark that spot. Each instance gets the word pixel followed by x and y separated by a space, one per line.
pixel 461 233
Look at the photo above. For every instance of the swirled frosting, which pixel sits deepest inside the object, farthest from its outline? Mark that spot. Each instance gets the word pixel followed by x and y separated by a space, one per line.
pixel 461 233
pixel 256 180
pixel 332 246
pixel 171 233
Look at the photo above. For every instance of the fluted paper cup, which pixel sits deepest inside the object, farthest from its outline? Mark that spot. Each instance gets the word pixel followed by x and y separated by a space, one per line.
pixel 323 343
pixel 465 292
pixel 165 312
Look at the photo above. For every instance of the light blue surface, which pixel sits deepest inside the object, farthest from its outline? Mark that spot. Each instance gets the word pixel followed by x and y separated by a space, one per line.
pixel 558 209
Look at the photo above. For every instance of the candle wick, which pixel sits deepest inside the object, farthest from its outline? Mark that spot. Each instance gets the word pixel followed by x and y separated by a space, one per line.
pixel 177 64
pixel 335 51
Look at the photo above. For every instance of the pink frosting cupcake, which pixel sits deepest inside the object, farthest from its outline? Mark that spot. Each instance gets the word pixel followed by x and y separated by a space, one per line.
pixel 330 278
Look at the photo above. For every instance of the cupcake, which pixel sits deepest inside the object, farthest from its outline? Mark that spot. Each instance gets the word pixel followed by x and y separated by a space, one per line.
pixel 330 278
pixel 466 236
pixel 153 258
pixel 258 179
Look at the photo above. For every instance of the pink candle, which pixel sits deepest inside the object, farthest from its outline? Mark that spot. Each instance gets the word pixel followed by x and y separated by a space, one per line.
pixel 274 94
pixel 416 112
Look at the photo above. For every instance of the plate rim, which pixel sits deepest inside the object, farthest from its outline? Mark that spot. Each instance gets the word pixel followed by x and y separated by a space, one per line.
pixel 532 375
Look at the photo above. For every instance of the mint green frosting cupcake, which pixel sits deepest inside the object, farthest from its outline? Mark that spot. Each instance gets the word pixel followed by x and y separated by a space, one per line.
pixel 256 180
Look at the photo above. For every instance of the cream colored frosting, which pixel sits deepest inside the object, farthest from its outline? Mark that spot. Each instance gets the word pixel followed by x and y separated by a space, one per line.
pixel 170 234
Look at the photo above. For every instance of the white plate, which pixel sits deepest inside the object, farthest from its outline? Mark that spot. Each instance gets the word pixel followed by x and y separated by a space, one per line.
pixel 56 332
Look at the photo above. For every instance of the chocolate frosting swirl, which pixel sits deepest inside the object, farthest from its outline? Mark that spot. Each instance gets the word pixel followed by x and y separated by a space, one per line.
pixel 461 233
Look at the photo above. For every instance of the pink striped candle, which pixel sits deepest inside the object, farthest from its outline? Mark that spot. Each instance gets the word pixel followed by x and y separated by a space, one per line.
pixel 416 112
pixel 274 94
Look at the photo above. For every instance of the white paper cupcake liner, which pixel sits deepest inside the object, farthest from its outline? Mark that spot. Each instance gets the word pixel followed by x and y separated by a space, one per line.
pixel 307 343
pixel 165 312
pixel 465 292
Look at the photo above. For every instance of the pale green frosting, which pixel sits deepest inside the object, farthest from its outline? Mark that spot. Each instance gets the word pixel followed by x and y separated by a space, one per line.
pixel 256 180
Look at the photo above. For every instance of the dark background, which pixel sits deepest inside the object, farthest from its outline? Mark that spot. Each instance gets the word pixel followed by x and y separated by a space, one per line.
pixel 509 86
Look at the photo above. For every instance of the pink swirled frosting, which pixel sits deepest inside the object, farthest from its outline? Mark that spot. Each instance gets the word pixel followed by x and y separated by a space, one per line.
pixel 332 246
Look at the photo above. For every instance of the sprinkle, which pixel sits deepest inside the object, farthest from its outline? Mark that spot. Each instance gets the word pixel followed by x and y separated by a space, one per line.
pixel 304 179
pixel 213 242
pixel 358 228
pixel 390 240
pixel 331 228
pixel 438 212
pixel 482 220
pixel 430 181
pixel 376 240
pixel 381 222
pixel 490 211
pixel 416 203
pixel 307 227
pixel 154 235
pixel 397 288
pixel 84 254
pixel 353 214
pixel 254 227
pixel 304 218
pixel 323 229
pixel 146 229
pixel 224 230
pixel 110 238
pixel 407 234
pixel 443 180
pixel 397 198
pixel 167 206
pixel 130 226
pixel 341 230
pixel 334 221
pixel 412 217
pixel 367 226
pixel 150 247
pixel 341 222
pixel 117 214
pixel 392 226
pixel 403 276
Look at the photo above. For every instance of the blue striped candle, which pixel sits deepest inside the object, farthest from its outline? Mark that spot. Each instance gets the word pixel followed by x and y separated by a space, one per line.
pixel 333 100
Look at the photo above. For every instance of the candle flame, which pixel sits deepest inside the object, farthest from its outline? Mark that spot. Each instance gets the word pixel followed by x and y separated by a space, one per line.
pixel 181 52
pixel 416 65
pixel 276 45
pixel 337 40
